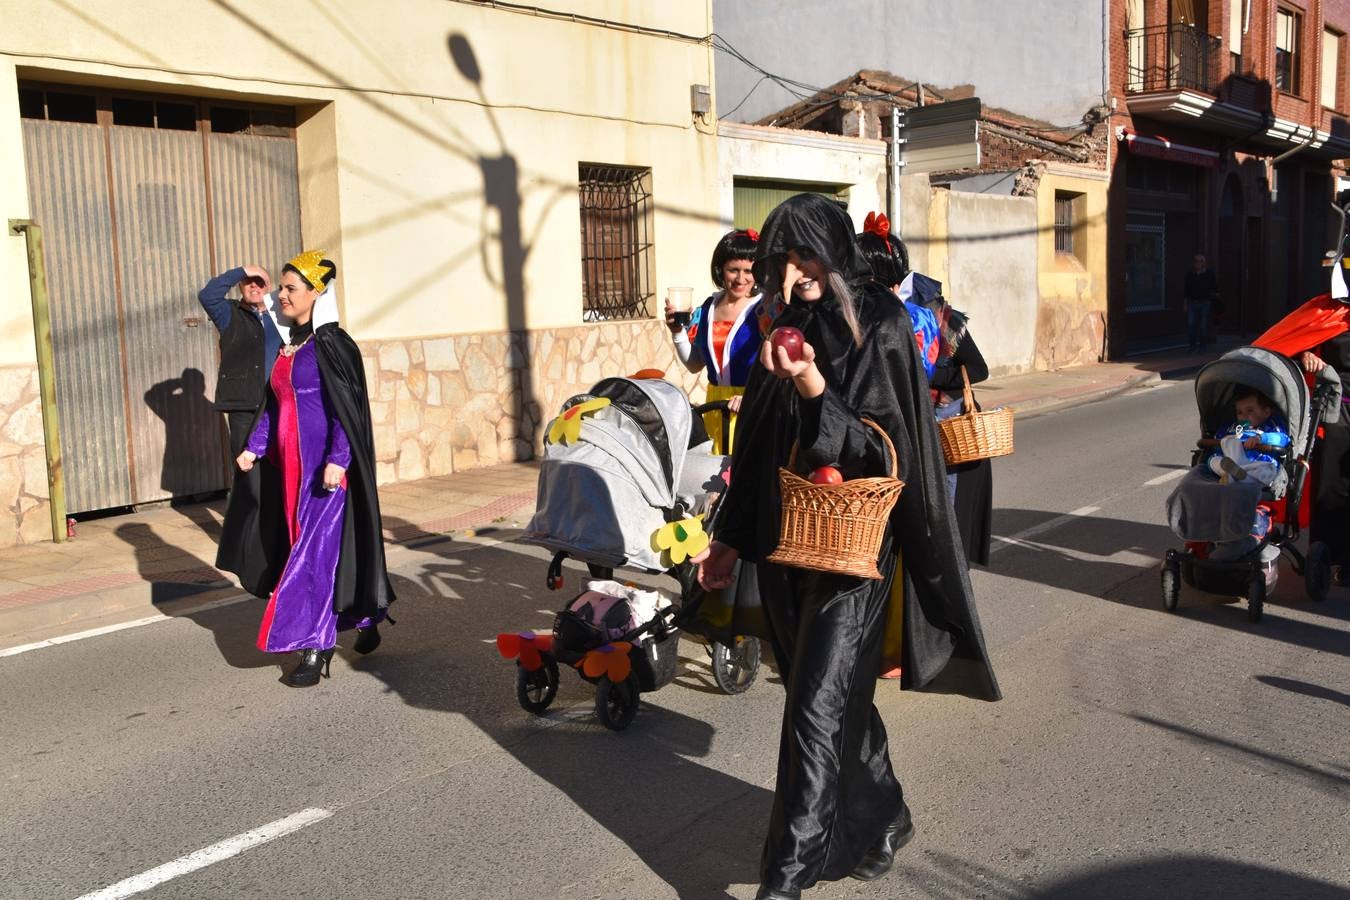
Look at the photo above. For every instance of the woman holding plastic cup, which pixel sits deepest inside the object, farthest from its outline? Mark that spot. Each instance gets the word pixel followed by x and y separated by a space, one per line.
pixel 722 335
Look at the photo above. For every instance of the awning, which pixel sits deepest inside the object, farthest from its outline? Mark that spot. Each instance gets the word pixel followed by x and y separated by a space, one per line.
pixel 1160 147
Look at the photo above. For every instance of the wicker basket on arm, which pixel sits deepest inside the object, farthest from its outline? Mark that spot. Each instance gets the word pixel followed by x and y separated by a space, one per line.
pixel 975 435
pixel 836 527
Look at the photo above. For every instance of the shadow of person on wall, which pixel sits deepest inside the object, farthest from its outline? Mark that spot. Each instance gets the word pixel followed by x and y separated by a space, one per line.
pixel 193 447
pixel 642 786
pixel 176 575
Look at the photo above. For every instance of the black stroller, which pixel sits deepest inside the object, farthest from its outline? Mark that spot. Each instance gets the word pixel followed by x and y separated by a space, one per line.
pixel 620 488
pixel 1201 510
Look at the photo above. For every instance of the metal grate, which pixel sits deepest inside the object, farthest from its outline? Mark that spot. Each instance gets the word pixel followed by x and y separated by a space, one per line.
pixel 1173 57
pixel 1063 223
pixel 616 242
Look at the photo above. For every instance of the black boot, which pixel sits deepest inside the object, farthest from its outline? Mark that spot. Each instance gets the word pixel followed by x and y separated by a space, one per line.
pixel 367 639
pixel 766 893
pixel 878 859
pixel 312 664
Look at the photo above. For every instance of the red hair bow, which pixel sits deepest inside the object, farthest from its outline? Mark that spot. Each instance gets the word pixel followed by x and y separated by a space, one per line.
pixel 878 224
pixel 752 234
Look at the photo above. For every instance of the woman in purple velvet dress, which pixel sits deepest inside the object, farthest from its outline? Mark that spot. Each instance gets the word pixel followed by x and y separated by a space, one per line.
pixel 323 534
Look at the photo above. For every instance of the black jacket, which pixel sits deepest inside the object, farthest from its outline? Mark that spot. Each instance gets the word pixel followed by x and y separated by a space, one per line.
pixel 242 378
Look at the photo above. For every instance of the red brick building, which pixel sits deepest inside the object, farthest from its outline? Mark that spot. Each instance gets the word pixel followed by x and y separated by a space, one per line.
pixel 1231 118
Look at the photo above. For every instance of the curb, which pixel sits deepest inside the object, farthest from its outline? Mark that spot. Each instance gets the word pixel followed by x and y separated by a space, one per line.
pixel 77 605
pixel 1052 403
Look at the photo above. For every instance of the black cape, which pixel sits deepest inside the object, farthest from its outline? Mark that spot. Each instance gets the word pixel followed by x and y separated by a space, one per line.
pixel 883 380
pixel 254 544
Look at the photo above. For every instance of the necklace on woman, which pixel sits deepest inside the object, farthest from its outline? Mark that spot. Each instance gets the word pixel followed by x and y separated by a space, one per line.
pixel 292 349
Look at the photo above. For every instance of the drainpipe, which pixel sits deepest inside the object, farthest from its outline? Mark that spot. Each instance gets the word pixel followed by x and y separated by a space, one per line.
pixel 1312 135
pixel 42 331
pixel 893 172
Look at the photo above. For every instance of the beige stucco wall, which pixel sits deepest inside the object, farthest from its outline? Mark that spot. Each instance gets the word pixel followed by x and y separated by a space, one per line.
pixel 1071 319
pixel 748 151
pixel 983 249
pixel 406 168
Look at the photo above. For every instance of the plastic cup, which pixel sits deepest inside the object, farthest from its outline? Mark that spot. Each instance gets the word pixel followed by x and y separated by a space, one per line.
pixel 681 301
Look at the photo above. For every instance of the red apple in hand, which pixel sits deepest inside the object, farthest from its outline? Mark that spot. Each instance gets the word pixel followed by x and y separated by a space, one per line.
pixel 790 339
pixel 826 475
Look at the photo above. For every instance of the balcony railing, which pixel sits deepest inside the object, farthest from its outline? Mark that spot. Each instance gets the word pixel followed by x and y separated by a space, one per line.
pixel 1173 57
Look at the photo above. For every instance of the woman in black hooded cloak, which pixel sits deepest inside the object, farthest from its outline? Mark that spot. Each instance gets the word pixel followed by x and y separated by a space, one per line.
pixel 838 808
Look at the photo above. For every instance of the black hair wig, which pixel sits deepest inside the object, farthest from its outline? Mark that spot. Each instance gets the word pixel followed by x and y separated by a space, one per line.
pixel 890 263
pixel 732 245
pixel 330 272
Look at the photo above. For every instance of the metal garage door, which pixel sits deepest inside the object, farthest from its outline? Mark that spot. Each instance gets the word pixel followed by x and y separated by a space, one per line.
pixel 141 201
pixel 754 198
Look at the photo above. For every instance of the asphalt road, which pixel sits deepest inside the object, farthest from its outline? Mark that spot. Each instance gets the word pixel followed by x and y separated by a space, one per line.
pixel 1137 753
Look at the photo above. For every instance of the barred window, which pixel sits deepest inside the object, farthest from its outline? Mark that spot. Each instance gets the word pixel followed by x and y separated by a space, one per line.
pixel 1069 223
pixel 616 242
pixel 1063 222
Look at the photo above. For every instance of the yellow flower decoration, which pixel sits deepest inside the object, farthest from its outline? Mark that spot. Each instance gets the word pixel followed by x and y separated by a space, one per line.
pixel 680 540
pixel 566 429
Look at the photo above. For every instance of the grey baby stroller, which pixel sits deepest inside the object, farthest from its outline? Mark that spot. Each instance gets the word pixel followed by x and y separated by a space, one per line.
pixel 1205 512
pixel 620 488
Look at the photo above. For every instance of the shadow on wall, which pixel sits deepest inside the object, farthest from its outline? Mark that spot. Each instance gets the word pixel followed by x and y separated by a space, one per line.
pixel 501 191
pixel 502 195
pixel 182 405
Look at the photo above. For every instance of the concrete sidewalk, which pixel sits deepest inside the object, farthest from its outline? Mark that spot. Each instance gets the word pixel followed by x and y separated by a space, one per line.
pixel 159 561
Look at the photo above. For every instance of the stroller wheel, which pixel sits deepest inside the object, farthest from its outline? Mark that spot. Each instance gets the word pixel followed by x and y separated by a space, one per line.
pixel 1256 597
pixel 535 690
pixel 1171 583
pixel 1317 574
pixel 734 668
pixel 616 704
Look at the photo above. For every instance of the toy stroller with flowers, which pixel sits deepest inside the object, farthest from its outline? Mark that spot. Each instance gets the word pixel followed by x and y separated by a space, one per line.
pixel 620 488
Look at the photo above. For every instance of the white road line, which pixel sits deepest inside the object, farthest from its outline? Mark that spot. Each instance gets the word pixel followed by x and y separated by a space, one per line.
pixel 1048 525
pixel 200 859
pixel 122 626
pixel 1166 477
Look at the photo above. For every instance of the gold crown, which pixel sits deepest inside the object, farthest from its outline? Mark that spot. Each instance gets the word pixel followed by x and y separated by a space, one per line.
pixel 310 265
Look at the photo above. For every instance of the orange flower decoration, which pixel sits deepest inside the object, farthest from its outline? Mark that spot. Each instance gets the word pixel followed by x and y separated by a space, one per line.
pixel 566 429
pixel 527 646
pixel 611 659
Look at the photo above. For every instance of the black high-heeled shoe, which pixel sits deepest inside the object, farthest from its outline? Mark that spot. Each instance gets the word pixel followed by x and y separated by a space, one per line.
pixel 877 861
pixel 367 639
pixel 313 664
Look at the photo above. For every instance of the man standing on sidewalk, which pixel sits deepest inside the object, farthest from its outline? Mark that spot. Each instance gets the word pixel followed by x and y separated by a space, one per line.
pixel 1200 290
pixel 249 343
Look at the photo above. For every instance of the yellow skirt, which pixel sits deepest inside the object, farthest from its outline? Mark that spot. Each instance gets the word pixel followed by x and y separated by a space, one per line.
pixel 713 420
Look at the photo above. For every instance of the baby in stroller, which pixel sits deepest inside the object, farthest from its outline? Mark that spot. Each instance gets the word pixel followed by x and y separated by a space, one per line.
pixel 1240 452
pixel 1248 448
pixel 1259 418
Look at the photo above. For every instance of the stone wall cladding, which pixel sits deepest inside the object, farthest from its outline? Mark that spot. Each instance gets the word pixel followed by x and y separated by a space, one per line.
pixel 448 404
pixel 24 513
